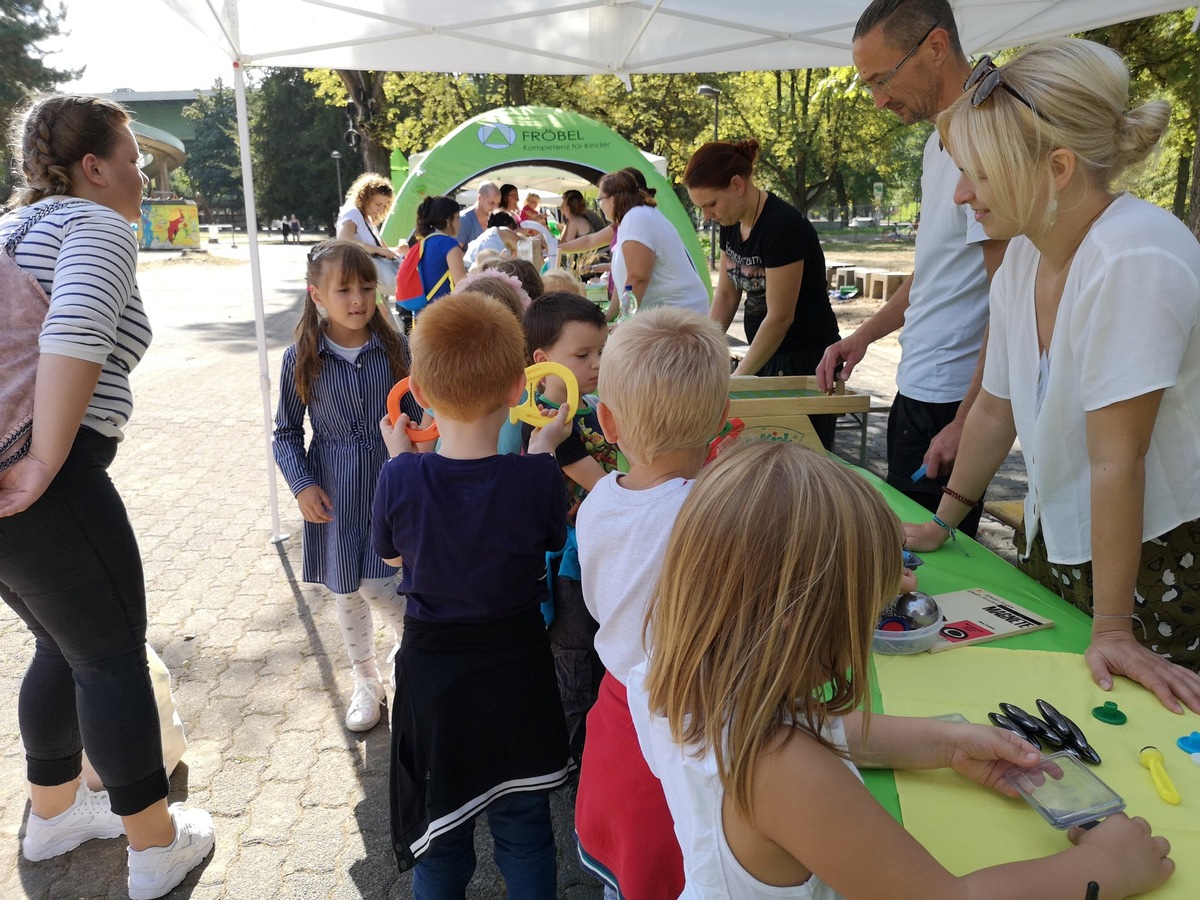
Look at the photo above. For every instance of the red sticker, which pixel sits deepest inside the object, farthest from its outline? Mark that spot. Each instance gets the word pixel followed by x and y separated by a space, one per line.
pixel 964 631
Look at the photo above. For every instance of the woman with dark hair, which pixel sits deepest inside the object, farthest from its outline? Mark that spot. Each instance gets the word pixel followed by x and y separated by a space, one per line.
pixel 441 263
pixel 70 566
pixel 510 201
pixel 579 219
pixel 771 255
pixel 502 235
pixel 649 255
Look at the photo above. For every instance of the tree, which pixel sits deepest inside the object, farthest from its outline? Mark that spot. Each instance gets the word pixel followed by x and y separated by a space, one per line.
pixel 293 134
pixel 1161 53
pixel 213 164
pixel 23 71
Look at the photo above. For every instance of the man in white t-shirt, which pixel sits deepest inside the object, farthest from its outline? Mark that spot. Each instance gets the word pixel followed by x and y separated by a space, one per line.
pixel 909 57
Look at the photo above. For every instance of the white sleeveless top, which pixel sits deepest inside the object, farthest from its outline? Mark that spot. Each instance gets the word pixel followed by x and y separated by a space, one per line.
pixel 694 795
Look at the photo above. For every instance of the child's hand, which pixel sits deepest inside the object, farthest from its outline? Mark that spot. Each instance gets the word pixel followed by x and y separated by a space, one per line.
pixel 1138 860
pixel 315 505
pixel 547 438
pixel 908 581
pixel 983 754
pixel 395 437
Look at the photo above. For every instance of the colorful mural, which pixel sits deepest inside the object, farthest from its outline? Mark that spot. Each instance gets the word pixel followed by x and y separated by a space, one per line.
pixel 169 225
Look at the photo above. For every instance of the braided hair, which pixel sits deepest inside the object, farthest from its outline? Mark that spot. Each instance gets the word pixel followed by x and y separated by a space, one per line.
pixel 53 134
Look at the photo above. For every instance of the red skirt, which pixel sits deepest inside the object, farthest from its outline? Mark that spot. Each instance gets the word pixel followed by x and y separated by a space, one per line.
pixel 621 815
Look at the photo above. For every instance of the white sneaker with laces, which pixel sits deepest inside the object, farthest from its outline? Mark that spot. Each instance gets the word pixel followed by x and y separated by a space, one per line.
pixel 90 816
pixel 365 704
pixel 154 871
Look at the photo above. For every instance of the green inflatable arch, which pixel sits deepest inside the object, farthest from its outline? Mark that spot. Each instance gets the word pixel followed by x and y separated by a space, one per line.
pixel 531 135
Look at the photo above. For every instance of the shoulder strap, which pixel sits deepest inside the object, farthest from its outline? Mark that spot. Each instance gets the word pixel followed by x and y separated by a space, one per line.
pixel 10 245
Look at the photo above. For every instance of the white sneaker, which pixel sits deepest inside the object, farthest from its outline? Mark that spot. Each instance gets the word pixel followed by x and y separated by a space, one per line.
pixel 365 704
pixel 155 871
pixel 90 816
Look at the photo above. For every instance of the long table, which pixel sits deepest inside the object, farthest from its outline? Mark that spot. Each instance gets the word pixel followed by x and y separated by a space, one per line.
pixel 967 827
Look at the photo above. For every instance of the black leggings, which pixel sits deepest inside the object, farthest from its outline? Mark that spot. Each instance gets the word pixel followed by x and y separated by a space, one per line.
pixel 70 568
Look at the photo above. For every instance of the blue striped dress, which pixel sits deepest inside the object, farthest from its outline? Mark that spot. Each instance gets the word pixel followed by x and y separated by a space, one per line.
pixel 344 457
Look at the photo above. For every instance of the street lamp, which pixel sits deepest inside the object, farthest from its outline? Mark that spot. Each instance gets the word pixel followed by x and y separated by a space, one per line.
pixel 707 90
pixel 336 156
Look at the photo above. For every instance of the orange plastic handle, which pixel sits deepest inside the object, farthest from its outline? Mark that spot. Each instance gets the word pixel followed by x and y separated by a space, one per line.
pixel 416 435
pixel 528 410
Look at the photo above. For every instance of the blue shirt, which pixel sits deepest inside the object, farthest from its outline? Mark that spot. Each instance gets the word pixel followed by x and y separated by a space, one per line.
pixel 473 533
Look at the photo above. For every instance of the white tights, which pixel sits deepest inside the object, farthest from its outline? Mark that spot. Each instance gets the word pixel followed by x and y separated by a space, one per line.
pixel 358 626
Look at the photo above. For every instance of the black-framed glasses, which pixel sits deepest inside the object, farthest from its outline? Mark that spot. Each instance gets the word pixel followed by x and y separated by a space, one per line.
pixel 880 84
pixel 986 77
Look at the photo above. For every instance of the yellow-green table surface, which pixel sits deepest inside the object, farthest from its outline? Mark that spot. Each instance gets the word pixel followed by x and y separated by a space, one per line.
pixel 967 827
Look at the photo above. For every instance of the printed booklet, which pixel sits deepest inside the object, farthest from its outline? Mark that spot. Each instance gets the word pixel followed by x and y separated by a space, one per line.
pixel 976 616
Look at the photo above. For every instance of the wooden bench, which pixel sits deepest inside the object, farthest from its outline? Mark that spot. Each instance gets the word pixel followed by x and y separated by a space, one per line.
pixel 1007 512
pixel 849 421
pixel 862 279
pixel 831 268
pixel 883 284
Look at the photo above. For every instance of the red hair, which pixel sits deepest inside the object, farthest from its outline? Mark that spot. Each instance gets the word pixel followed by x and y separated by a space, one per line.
pixel 716 163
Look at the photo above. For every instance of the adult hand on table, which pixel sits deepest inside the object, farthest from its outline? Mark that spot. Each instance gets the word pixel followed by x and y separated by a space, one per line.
pixel 847 353
pixel 1119 653
pixel 984 754
pixel 925 537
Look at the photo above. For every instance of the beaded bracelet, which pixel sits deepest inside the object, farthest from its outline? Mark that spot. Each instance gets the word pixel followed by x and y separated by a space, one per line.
pixel 955 495
pixel 950 528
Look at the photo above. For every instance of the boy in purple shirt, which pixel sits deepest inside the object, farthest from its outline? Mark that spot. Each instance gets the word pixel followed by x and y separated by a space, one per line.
pixel 477 722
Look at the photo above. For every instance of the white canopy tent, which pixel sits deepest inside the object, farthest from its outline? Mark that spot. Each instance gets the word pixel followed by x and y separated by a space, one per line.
pixel 565 37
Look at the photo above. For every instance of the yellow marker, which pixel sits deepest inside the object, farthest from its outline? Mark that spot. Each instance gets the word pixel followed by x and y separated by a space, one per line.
pixel 1152 759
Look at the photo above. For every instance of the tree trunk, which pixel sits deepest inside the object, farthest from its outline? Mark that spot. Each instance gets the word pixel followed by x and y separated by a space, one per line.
pixel 1182 171
pixel 516 90
pixel 364 115
pixel 1193 211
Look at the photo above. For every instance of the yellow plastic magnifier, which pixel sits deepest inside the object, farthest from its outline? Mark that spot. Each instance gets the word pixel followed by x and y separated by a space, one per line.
pixel 1152 759
pixel 527 411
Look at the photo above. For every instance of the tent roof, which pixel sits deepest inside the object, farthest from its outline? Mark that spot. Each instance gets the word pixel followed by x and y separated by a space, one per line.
pixel 560 37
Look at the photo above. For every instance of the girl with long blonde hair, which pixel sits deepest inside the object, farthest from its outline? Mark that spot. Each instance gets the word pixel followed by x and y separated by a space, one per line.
pixel 748 709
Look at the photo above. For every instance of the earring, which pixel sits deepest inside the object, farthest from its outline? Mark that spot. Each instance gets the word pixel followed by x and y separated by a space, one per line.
pixel 1052 211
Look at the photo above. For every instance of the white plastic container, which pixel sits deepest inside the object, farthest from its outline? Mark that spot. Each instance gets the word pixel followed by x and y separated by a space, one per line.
pixel 899 643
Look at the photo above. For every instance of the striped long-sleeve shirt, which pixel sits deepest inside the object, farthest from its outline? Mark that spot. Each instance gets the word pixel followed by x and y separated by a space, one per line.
pixel 84 255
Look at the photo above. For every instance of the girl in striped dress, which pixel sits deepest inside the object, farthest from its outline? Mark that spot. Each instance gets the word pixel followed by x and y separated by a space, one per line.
pixel 339 371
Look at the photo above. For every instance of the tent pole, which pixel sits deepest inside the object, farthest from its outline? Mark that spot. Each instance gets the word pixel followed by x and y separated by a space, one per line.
pixel 260 323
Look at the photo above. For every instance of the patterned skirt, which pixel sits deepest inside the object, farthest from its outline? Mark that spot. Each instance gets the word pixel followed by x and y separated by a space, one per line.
pixel 1167 601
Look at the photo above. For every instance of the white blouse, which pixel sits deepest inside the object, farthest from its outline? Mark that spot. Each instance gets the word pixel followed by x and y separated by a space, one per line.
pixel 1126 326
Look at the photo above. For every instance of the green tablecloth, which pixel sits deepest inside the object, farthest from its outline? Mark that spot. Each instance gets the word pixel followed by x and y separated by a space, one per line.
pixel 967 827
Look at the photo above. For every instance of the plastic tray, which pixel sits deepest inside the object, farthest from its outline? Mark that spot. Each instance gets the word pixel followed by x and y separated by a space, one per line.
pixel 1065 792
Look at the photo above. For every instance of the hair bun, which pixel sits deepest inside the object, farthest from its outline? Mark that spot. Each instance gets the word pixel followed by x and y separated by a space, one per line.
pixel 1140 130
pixel 748 148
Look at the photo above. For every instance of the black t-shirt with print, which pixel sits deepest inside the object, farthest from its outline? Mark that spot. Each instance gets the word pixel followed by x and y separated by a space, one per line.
pixel 781 236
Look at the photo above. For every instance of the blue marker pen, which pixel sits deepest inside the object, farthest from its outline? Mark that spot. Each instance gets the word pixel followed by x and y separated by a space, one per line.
pixel 919 474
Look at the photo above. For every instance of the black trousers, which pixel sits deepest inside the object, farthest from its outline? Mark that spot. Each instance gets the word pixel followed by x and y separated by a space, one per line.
pixel 912 426
pixel 70 568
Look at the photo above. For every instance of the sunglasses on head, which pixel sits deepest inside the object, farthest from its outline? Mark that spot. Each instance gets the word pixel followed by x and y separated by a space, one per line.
pixel 986 77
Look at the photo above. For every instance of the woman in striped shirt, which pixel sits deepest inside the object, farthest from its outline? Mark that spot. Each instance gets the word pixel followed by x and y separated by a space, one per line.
pixel 69 562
